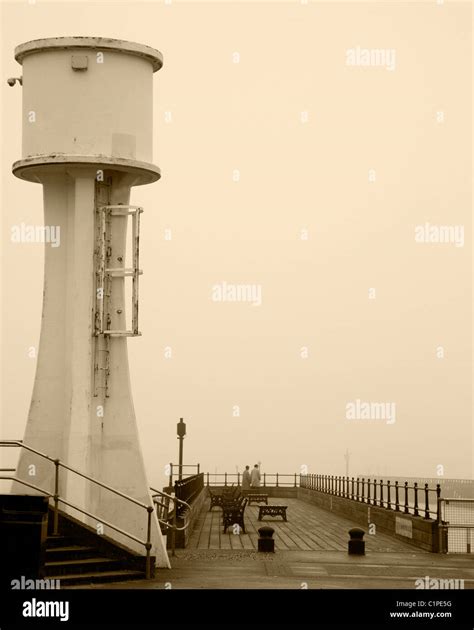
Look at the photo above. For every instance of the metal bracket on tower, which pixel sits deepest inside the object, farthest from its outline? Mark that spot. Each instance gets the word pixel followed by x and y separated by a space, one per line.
pixel 105 273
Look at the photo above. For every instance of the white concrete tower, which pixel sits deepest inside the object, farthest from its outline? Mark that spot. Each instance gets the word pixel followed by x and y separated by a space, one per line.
pixel 87 138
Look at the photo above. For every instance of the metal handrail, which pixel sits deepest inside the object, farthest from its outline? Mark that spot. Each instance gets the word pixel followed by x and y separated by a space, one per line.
pixel 265 479
pixel 75 507
pixel 353 488
pixel 174 528
pixel 57 499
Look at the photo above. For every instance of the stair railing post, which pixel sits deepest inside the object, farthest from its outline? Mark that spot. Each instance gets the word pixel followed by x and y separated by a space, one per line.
pixel 173 537
pixel 148 543
pixel 56 498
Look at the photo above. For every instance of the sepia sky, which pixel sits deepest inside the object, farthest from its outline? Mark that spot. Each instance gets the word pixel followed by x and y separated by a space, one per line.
pixel 291 166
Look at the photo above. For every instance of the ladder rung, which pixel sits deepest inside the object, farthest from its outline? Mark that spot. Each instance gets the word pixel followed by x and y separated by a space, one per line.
pixel 122 333
pixel 120 271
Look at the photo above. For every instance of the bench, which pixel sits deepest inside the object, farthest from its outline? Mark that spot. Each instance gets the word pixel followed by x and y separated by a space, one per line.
pixel 233 513
pixel 219 499
pixel 257 498
pixel 272 510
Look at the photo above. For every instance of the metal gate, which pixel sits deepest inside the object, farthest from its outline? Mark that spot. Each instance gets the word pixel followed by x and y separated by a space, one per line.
pixel 457 525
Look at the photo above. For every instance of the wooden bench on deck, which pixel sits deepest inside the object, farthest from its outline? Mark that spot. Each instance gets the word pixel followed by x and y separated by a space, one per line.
pixel 254 497
pixel 272 510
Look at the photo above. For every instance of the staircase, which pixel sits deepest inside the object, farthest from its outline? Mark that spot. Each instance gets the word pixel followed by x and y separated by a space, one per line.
pixel 78 555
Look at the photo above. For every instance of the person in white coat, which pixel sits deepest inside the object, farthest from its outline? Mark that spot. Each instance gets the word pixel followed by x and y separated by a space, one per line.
pixel 255 477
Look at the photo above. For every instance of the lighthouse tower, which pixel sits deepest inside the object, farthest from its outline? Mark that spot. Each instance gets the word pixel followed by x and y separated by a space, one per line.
pixel 87 139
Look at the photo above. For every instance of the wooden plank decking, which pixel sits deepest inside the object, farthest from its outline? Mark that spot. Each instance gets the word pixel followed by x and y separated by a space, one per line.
pixel 308 528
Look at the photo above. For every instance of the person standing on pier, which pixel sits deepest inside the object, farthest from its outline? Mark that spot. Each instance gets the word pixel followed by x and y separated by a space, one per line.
pixel 255 477
pixel 246 479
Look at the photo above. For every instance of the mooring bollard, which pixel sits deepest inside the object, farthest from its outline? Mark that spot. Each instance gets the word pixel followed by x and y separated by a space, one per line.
pixel 265 539
pixel 356 542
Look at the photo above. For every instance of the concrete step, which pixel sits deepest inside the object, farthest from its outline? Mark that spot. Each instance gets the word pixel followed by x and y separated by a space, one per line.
pixel 95 564
pixel 61 541
pixel 69 552
pixel 120 575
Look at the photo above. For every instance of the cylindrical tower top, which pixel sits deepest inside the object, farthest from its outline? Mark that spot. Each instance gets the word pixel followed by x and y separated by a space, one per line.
pixel 87 100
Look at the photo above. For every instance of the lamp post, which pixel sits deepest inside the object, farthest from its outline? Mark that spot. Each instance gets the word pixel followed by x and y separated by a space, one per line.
pixel 181 429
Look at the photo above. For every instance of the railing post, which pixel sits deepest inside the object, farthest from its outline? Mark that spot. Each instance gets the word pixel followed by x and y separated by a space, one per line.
pixel 368 491
pixel 415 488
pixel 389 507
pixel 56 499
pixel 199 469
pixel 397 503
pixel 225 479
pixel 363 490
pixel 207 474
pixel 277 480
pixel 173 537
pixel 238 479
pixel 352 488
pixel 381 493
pixel 438 503
pixel 427 502
pixel 374 502
pixel 171 474
pixel 406 510
pixel 264 479
pixel 357 489
pixel 295 481
pixel 150 510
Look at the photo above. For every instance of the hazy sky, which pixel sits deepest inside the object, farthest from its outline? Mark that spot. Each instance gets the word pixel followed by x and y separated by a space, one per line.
pixel 289 165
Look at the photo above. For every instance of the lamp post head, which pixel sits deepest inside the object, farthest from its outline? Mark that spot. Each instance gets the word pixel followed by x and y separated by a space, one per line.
pixel 181 428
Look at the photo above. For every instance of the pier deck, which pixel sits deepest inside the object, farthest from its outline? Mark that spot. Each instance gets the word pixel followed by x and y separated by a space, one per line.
pixel 308 528
pixel 311 552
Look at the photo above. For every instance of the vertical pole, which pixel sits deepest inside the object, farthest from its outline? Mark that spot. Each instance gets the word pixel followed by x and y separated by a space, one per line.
pixel 352 489
pixel 199 469
pixel 207 479
pixel 264 479
pixel 277 480
pixel 180 463
pixel 148 543
pixel 295 480
pixel 171 474
pixel 381 493
pixel 363 489
pixel 389 506
pixel 225 479
pixel 357 489
pixel 406 511
pixel 415 487
pixel 438 503
pixel 56 499
pixel 397 502
pixel 173 536
pixel 427 502
pixel 368 490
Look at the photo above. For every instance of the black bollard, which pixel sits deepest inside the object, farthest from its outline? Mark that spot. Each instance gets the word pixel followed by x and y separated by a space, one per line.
pixel 265 539
pixel 356 542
